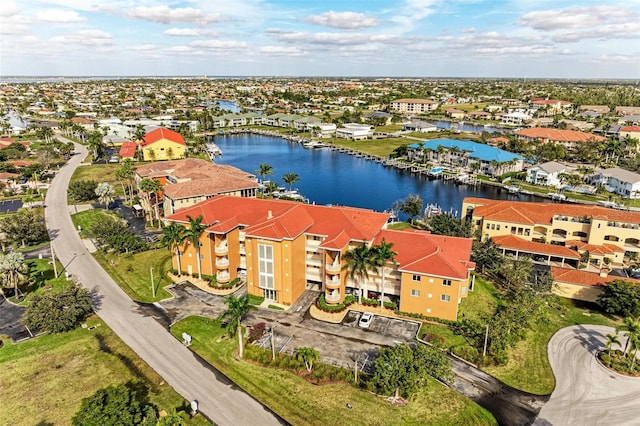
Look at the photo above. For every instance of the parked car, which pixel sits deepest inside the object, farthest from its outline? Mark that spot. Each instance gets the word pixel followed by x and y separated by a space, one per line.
pixel 365 320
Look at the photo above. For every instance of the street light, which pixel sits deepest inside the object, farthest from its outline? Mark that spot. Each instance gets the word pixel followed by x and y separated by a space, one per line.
pixel 153 289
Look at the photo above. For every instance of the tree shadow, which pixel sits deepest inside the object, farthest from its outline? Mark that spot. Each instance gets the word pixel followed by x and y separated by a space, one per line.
pixel 103 345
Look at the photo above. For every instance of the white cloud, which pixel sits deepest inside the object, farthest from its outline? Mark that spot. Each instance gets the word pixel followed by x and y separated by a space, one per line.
pixel 344 20
pixel 143 48
pixel 412 12
pixel 59 16
pixel 188 32
pixel 8 9
pixel 282 50
pixel 219 44
pixel 166 15
pixel 94 38
pixel 184 50
pixel 334 39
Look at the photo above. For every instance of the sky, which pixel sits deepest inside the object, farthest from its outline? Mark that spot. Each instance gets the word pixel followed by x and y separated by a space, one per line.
pixel 395 38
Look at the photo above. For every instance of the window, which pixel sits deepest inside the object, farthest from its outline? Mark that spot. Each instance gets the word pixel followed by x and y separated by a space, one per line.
pixel 488 226
pixel 446 283
pixel 445 298
pixel 415 293
pixel 416 278
pixel 265 266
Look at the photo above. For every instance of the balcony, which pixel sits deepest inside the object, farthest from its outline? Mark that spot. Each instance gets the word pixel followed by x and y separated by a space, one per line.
pixel 332 298
pixel 333 268
pixel 332 283
pixel 223 277
pixel 222 249
pixel 222 262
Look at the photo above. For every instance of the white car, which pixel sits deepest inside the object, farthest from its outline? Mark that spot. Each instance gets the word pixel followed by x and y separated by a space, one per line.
pixel 365 320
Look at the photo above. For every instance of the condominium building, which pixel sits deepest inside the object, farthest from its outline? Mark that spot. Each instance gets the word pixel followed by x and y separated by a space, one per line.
pixel 283 247
pixel 567 138
pixel 415 106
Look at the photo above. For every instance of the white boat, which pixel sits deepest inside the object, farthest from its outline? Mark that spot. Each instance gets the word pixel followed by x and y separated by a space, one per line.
pixel 513 189
pixel 213 149
pixel 313 144
pixel 462 178
pixel 557 197
pixel 432 210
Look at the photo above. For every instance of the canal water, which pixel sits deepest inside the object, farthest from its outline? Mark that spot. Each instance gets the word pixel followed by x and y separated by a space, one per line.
pixel 331 177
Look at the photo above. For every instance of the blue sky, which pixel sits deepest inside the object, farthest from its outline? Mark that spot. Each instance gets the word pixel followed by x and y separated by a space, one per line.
pixel 421 38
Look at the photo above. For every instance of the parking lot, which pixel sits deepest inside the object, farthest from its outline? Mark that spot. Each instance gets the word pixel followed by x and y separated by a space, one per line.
pixel 402 330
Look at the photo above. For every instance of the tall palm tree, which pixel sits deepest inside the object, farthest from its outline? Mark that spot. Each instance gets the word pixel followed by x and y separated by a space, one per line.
pixel 151 187
pixel 193 234
pixel 172 236
pixel 13 270
pixel 612 339
pixel 631 327
pixel 95 143
pixel 290 178
pixel 125 175
pixel 357 263
pixel 264 170
pixel 237 307
pixel 380 255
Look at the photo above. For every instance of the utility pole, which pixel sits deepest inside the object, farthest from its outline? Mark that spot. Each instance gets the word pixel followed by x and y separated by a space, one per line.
pixel 486 337
pixel 153 289
pixel 53 259
pixel 355 371
pixel 273 342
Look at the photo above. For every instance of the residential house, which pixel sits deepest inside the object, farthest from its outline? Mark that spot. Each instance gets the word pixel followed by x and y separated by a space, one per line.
pixel 189 181
pixel 305 124
pixel 325 130
pixel 128 150
pixel 631 132
pixel 627 110
pixel 379 116
pixel 419 126
pixel 516 118
pixel 284 247
pixel 488 160
pixel 355 131
pixel 480 115
pixel 570 139
pixel 550 106
pixel 162 144
pixel 631 120
pixel 414 106
pixel 619 181
pixel 599 109
pixel 547 174
pixel 455 113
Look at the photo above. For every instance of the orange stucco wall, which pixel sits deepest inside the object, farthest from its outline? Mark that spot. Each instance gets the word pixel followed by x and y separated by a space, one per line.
pixel 428 300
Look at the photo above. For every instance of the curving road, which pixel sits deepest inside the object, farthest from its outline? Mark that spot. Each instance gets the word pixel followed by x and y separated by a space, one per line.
pixel 219 399
pixel 586 393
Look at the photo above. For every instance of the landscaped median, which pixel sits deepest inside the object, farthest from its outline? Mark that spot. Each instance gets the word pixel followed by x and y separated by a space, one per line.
pixel 301 402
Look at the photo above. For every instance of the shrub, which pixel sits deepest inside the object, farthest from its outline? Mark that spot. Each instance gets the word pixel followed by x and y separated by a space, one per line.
pixel 58 311
pixel 257 332
pixel 255 300
pixel 323 306
pixel 468 353
pixel 434 339
pixel 276 307
pixel 83 190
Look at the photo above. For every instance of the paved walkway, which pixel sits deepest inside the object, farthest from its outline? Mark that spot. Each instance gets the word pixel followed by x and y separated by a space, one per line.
pixel 586 393
pixel 219 399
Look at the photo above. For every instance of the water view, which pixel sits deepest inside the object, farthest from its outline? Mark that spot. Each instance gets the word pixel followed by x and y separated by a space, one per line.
pixel 330 177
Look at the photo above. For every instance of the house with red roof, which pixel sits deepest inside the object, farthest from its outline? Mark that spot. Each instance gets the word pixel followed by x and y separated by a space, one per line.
pixel 162 144
pixel 631 132
pixel 570 139
pixel 284 247
pixel 128 150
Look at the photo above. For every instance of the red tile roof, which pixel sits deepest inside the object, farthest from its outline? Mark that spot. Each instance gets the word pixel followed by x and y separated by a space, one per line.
pixel 520 244
pixel 542 213
pixel 424 253
pixel 590 279
pixel 630 129
pixel 602 250
pixel 128 149
pixel 559 135
pixel 279 219
pixel 161 133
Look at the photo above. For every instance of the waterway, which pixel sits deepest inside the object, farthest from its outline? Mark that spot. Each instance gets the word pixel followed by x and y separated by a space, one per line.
pixel 331 177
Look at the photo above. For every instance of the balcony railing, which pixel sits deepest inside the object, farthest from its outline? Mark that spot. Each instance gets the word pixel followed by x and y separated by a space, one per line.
pixel 332 298
pixel 222 249
pixel 333 268
pixel 223 278
pixel 222 262
pixel 332 283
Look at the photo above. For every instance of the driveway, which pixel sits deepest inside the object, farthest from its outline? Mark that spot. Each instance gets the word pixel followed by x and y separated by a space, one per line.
pixel 10 321
pixel 586 393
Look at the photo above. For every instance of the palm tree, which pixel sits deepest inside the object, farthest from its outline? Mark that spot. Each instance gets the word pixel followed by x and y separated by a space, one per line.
pixel 151 186
pixel 105 191
pixel 632 328
pixel 308 356
pixel 95 143
pixel 125 174
pixel 237 307
pixel 290 179
pixel 271 187
pixel 264 171
pixel 13 270
pixel 193 234
pixel 612 339
pixel 172 236
pixel 380 255
pixel 357 263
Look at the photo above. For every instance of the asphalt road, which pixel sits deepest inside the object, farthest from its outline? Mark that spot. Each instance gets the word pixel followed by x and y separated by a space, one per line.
pixel 586 393
pixel 219 399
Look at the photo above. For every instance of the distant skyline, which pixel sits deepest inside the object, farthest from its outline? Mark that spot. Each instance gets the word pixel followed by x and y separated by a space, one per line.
pixel 408 38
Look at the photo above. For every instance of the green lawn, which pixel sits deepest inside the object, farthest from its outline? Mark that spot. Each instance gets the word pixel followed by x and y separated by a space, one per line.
pixel 133 272
pixel 300 402
pixel 528 365
pixel 399 226
pixel 43 380
pixel 86 218
pixel 41 279
pixel 378 147
pixel 99 173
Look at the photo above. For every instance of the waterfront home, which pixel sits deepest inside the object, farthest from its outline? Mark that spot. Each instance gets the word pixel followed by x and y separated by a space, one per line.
pixel 191 180
pixel 567 138
pixel 550 106
pixel 305 124
pixel 627 110
pixel 619 181
pixel 516 118
pixel 568 237
pixel 490 160
pixel 414 106
pixel 162 144
pixel 419 126
pixel 455 113
pixel 631 132
pixel 599 109
pixel 377 116
pixel 547 174
pixel 284 247
pixel 354 131
pixel 324 130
